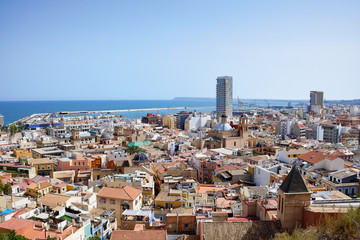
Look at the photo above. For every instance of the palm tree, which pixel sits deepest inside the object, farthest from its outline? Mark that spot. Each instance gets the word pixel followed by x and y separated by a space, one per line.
pixel 133 149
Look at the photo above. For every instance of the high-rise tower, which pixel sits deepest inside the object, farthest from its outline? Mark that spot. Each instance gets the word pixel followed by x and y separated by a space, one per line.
pixel 317 98
pixel 224 96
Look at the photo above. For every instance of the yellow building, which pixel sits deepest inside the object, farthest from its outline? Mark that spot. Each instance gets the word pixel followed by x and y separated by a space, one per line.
pixel 169 121
pixel 43 166
pixel 19 153
pixel 171 199
pixel 38 189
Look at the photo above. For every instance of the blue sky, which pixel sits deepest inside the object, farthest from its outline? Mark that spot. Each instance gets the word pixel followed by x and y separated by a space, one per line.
pixel 52 50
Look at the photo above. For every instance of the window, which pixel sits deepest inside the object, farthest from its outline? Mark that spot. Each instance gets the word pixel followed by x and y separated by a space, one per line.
pixel 83 163
pixel 186 225
pixel 43 166
pixel 234 144
pixel 74 163
pixel 112 201
pixel 48 166
pixel 102 200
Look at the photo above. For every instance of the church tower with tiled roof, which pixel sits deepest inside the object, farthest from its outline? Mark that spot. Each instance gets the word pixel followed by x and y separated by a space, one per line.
pixel 293 196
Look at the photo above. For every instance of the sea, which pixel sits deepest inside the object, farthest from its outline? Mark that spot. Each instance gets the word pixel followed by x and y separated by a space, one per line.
pixel 14 110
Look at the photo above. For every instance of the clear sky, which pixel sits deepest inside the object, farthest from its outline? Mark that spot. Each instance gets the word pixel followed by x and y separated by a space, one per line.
pixel 52 50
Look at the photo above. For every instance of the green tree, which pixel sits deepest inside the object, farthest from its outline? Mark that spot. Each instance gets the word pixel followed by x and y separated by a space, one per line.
pixel 254 153
pixel 133 149
pixel 336 227
pixel 7 189
pixel 95 238
pixel 13 236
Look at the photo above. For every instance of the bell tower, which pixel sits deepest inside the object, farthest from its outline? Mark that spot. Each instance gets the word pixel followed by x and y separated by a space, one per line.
pixel 293 196
pixel 243 126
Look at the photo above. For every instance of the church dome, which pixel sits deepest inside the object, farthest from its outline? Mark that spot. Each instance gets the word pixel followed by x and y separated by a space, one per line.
pixel 243 115
pixel 221 127
pixel 105 136
pixel 260 144
pixel 141 157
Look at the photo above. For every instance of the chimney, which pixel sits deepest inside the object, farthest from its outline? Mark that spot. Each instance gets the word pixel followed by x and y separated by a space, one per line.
pixel 12 198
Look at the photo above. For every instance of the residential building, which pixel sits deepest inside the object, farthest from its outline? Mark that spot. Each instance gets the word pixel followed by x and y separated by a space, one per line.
pixel 291 155
pixel 224 96
pixel 320 160
pixel 77 162
pixel 172 198
pixel 316 99
pixel 43 166
pixel 181 119
pixel 284 127
pixel 205 169
pixel 345 181
pixel 152 119
pixel 299 130
pixel 19 153
pixel 196 121
pixel 119 199
pixel 46 152
pixel 38 189
pixel 169 121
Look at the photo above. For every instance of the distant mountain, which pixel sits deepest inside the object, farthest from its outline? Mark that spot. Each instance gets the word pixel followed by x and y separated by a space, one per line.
pixel 344 102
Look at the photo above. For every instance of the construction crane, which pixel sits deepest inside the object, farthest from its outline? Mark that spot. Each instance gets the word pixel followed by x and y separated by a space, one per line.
pixel 241 104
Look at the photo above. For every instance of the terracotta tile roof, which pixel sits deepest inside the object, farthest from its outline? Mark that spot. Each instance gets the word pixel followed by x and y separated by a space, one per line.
pixel 316 156
pixel 38 186
pixel 125 193
pixel 17 224
pixel 227 168
pixel 135 235
pixel 40 161
pixel 22 211
pixel 204 188
pixel 54 200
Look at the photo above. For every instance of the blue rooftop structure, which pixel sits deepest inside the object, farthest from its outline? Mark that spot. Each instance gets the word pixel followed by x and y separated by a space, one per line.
pixel 7 211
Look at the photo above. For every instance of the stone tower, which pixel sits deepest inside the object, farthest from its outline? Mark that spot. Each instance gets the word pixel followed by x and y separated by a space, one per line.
pixel 75 138
pixel 243 126
pixel 75 134
pixel 293 196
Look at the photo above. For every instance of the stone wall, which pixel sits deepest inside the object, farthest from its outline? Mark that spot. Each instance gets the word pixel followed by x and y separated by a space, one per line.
pixel 239 230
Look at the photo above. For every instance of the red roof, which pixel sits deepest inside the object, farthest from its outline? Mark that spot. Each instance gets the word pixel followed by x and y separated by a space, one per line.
pixel 316 156
pixel 125 193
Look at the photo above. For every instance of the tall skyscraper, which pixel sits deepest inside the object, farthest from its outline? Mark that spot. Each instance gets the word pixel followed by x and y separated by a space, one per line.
pixel 224 96
pixel 317 99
